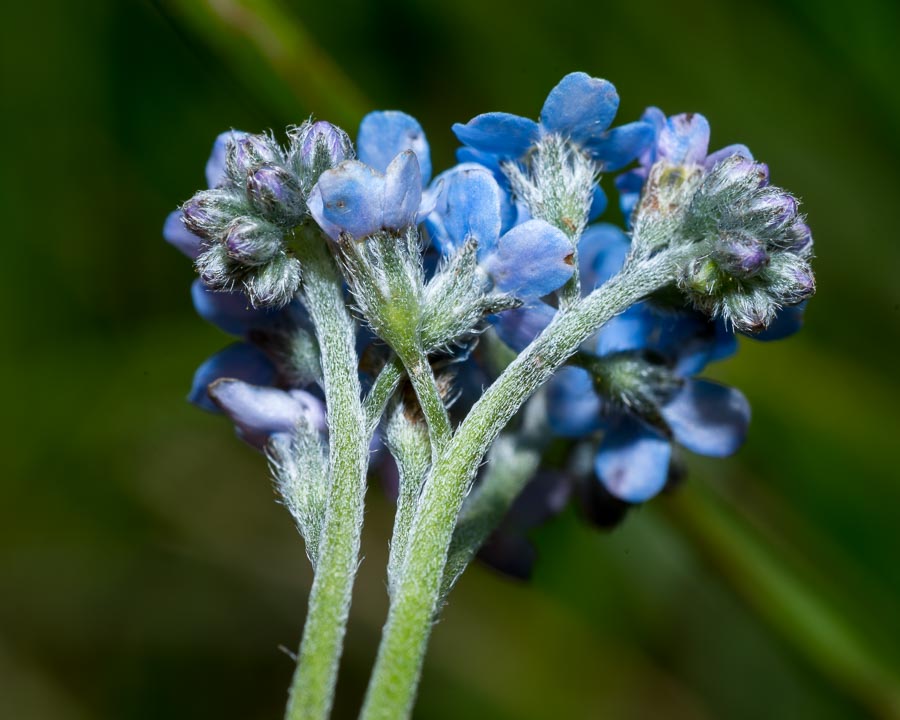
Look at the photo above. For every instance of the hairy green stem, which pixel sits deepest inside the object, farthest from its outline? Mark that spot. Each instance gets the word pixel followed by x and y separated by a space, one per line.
pixel 422 379
pixel 384 386
pixel 511 464
pixel 398 666
pixel 312 689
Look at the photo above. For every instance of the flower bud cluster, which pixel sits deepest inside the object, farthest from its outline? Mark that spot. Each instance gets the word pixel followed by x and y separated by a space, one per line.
pixel 261 196
pixel 752 247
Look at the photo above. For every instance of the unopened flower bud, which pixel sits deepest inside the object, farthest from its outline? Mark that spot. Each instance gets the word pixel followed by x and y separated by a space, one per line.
pixel 798 238
pixel 773 209
pixel 248 152
pixel 276 193
pixel 275 283
pixel 208 213
pixel 217 270
pixel 323 145
pixel 741 254
pixel 250 241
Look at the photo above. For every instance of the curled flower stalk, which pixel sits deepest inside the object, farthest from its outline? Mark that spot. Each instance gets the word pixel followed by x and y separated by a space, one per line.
pixel 453 301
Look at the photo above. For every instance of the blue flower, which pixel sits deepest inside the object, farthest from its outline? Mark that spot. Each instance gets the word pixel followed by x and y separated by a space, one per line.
pixel 357 200
pixel 530 260
pixel 580 108
pixel 632 461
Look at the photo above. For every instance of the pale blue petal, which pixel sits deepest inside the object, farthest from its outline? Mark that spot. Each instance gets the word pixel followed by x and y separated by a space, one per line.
pixel 348 198
pixel 580 107
pixel 178 235
pixel 531 260
pixel 468 206
pixel 633 461
pixel 573 406
pixel 498 133
pixel 708 418
pixel 402 191
pixel 385 134
pixel 260 411
pixel 239 360
pixel 619 146
pixel 685 139
pixel 518 327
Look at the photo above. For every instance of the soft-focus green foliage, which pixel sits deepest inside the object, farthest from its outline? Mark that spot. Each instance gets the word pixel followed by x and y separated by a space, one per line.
pixel 145 569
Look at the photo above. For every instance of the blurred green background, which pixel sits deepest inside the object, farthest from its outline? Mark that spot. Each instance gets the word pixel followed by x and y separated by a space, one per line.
pixel 145 568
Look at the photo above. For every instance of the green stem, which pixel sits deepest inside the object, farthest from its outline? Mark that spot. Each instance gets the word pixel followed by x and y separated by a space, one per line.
pixel 384 386
pixel 397 669
pixel 312 689
pixel 422 379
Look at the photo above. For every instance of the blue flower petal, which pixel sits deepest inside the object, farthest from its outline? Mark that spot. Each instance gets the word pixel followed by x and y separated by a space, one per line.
pixel 630 185
pixel 633 461
pixel 573 406
pixel 601 254
pixel 468 206
pixel 518 327
pixel 466 155
pixel 498 133
pixel 402 191
pixel 261 411
pixel 230 311
pixel 385 134
pixel 239 360
pixel 580 107
pixel 708 418
pixel 178 235
pixel 348 198
pixel 619 146
pixel 632 330
pixel 685 139
pixel 531 260
pixel 215 166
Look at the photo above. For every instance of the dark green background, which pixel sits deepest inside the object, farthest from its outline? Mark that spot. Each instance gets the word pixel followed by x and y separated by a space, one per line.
pixel 145 568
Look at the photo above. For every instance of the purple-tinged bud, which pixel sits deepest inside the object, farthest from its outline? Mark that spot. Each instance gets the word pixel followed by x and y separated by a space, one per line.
pixel 248 152
pixel 741 255
pixel 322 146
pixel 208 213
pixel 276 193
pixel 774 209
pixel 798 239
pixel 736 173
pixel 803 284
pixel 252 242
pixel 216 269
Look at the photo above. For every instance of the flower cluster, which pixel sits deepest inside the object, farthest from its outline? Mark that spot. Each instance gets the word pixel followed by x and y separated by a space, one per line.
pixel 475 264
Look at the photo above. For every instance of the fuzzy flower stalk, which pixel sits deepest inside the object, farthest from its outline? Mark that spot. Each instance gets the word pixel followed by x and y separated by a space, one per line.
pixel 484 313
